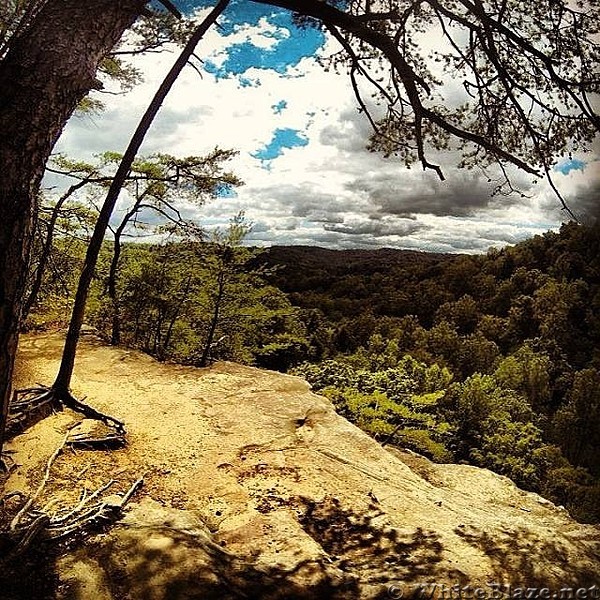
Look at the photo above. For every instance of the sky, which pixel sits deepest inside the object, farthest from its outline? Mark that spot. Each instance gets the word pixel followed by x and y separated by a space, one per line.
pixel 309 178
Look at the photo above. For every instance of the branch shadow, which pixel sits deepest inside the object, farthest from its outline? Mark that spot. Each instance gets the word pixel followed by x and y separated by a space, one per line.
pixel 184 566
pixel 516 556
pixel 360 558
pixel 377 554
pixel 32 576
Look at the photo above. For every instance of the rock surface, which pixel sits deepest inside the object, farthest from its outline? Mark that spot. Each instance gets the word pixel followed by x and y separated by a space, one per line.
pixel 255 488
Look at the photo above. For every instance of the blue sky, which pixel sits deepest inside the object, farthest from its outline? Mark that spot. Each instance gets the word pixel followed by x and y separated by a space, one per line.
pixel 282 138
pixel 570 164
pixel 301 142
pixel 290 46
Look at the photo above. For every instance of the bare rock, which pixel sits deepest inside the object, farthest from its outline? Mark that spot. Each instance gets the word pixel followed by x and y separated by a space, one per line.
pixel 256 488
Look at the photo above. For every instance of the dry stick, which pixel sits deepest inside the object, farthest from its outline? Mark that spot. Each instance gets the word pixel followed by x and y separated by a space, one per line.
pixel 63 379
pixel 132 490
pixel 103 510
pixel 34 529
pixel 57 529
pixel 15 522
pixel 85 500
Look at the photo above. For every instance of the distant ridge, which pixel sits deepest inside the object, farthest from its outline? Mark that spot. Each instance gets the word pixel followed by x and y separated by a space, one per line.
pixel 339 262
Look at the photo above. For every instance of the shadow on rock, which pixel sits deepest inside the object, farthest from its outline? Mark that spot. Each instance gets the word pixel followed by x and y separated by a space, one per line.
pixel 364 545
pixel 521 557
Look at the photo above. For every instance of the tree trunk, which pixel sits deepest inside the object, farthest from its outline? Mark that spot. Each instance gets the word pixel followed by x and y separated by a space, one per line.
pixel 48 69
pixel 215 318
pixel 181 300
pixel 63 379
pixel 115 337
pixel 37 274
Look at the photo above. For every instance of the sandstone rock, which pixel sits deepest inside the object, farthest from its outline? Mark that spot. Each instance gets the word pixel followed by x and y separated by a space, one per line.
pixel 256 488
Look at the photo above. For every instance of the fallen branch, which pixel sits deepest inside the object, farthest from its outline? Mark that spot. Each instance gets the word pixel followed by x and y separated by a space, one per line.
pixel 17 520
pixel 107 510
pixel 80 519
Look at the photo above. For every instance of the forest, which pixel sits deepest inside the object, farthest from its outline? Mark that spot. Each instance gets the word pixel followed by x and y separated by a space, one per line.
pixel 487 360
pixel 491 360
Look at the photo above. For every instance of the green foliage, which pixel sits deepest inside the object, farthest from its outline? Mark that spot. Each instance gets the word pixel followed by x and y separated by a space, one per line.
pixel 472 404
pixel 393 421
pixel 464 314
pixel 528 373
pixel 194 302
pixel 281 355
pixel 329 373
pixel 507 447
pixel 497 362
pixel 422 441
pixel 396 405
pixel 576 424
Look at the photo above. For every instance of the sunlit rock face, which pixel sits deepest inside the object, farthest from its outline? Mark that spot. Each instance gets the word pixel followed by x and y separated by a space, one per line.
pixel 255 488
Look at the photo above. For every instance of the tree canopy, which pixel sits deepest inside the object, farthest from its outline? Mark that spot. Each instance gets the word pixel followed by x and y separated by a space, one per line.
pixel 509 83
pixel 505 82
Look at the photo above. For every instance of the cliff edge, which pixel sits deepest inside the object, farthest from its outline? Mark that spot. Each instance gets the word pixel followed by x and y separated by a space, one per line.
pixel 255 488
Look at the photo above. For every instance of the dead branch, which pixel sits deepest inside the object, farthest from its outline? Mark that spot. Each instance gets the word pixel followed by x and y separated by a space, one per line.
pixel 19 516
pixel 30 525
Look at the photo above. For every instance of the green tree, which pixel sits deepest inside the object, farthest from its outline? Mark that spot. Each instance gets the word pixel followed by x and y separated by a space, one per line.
pixel 166 182
pixel 464 314
pixel 528 373
pixel 472 404
pixel 560 307
pixel 525 104
pixel 396 405
pixel 196 301
pixel 577 423
pixel 507 447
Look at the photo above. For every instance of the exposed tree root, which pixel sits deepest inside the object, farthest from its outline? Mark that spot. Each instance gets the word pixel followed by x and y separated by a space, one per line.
pixel 31 405
pixel 28 406
pixel 31 524
pixel 69 401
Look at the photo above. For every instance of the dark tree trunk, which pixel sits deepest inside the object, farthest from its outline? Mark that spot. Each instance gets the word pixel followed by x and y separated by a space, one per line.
pixel 63 379
pixel 48 69
pixel 115 338
pixel 37 274
pixel 215 319
pixel 181 300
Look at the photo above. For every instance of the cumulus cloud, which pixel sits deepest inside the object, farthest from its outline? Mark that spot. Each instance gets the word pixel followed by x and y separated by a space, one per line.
pixel 330 191
pixel 463 194
pixel 377 228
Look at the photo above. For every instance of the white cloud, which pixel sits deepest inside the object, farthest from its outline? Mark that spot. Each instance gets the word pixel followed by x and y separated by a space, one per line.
pixel 332 191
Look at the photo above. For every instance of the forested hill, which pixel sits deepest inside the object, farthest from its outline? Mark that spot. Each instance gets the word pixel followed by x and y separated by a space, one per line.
pixel 328 262
pixel 546 287
pixel 350 274
pixel 491 359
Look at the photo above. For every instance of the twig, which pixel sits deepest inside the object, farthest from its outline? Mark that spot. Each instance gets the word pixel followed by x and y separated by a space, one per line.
pixel 33 530
pixel 132 490
pixel 85 500
pixel 15 522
